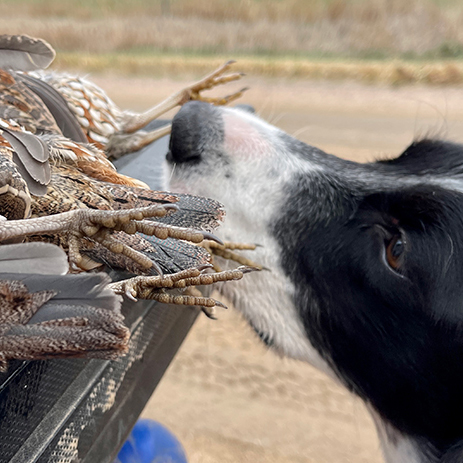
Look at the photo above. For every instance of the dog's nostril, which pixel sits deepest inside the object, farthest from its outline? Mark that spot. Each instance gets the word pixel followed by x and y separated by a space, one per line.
pixel 193 126
pixel 182 148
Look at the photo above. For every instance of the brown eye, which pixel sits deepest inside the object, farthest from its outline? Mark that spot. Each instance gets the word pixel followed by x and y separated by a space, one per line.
pixel 394 251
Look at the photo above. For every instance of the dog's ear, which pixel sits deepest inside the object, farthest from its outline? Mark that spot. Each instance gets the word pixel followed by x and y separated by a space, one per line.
pixel 418 206
pixel 429 156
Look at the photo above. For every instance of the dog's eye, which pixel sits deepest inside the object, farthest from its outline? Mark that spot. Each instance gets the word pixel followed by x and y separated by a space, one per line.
pixel 394 251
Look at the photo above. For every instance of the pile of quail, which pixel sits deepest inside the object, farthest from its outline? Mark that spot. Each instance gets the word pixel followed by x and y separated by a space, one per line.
pixel 67 215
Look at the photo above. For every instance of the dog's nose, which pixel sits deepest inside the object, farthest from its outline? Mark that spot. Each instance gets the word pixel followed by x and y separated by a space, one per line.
pixel 196 124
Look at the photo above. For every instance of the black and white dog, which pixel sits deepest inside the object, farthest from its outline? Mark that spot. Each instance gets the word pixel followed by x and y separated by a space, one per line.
pixel 366 262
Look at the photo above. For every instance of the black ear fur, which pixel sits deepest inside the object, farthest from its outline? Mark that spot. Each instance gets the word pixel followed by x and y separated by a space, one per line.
pixel 428 157
pixel 417 206
pixel 392 338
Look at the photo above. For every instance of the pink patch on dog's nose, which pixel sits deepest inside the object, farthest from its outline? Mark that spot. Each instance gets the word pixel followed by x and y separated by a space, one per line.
pixel 242 139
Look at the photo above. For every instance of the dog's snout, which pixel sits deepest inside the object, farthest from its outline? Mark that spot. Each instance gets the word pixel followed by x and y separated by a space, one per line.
pixel 194 125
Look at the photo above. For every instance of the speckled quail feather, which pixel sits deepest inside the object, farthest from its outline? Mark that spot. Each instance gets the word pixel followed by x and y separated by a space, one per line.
pixel 20 104
pixel 53 168
pixel 119 132
pixel 46 314
pixel 62 188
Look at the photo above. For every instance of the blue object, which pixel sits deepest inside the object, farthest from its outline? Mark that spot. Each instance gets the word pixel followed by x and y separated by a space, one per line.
pixel 151 442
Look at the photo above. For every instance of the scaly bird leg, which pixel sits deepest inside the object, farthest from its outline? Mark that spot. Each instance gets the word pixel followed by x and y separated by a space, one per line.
pixel 150 228
pixel 121 144
pixel 92 224
pixel 210 312
pixel 164 231
pixel 97 225
pixel 147 287
pixel 161 296
pixel 192 92
pixel 232 246
pixel 225 250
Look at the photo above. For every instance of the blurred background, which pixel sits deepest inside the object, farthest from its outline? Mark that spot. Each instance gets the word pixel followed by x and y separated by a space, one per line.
pixel 273 37
pixel 360 79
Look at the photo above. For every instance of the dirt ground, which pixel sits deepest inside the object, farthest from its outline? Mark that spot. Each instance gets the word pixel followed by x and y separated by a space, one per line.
pixel 226 397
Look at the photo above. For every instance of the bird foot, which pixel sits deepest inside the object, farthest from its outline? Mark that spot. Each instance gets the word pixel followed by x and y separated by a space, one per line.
pixel 96 225
pixel 190 93
pixel 226 251
pixel 210 312
pixel 154 287
pixel 216 78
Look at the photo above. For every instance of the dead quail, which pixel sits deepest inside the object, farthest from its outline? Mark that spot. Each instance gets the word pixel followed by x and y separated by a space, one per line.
pixel 50 176
pixel 48 314
pixel 114 130
pixel 97 119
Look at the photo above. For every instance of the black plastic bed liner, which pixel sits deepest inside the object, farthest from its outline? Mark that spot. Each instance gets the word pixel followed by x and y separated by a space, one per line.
pixel 83 410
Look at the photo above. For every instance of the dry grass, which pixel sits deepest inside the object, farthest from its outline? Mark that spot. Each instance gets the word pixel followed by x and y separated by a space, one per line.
pixel 320 28
pixel 292 38
pixel 389 72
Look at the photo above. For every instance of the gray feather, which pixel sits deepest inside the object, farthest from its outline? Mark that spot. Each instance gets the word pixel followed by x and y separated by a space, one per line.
pixel 40 258
pixel 35 147
pixel 58 107
pixel 35 188
pixel 195 212
pixel 24 53
pixel 31 156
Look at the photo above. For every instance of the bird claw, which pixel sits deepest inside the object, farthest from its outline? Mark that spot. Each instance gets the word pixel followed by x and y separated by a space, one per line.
pixel 216 78
pixel 210 312
pixel 191 93
pixel 203 302
pixel 226 251
pixel 88 224
pixel 97 226
pixel 221 101
pixel 141 287
pixel 154 287
pixel 85 227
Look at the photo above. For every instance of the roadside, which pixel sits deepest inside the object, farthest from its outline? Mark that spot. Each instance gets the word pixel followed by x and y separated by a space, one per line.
pixel 392 72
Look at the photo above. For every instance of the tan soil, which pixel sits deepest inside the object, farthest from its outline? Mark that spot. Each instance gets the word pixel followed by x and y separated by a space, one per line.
pixel 225 396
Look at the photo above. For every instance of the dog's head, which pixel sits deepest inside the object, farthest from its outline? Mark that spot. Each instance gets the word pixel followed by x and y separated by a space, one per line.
pixel 366 260
pixel 237 158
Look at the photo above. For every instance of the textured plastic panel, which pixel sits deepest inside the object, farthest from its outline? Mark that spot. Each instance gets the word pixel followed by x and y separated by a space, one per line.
pixel 76 410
